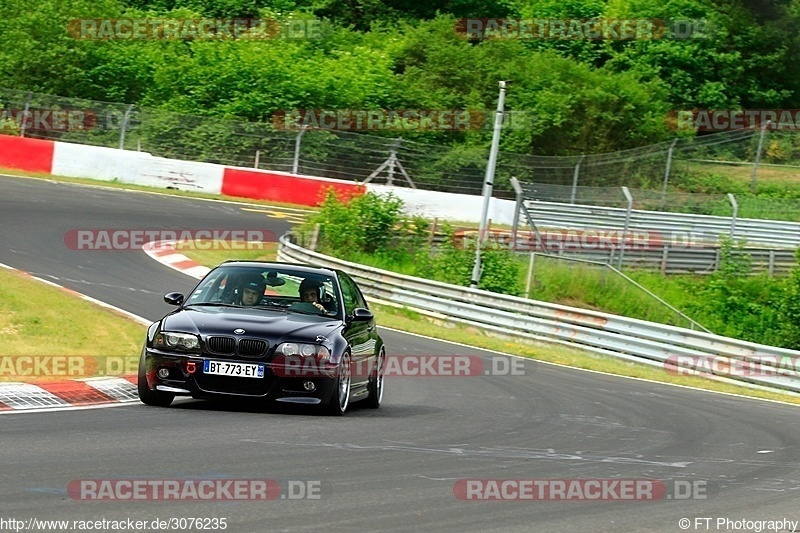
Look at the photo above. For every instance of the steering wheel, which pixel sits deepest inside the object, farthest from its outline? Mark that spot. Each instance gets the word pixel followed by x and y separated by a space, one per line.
pixel 305 307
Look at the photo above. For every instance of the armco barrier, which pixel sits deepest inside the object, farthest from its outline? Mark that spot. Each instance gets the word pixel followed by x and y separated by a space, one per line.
pixel 773 233
pixel 684 260
pixel 622 337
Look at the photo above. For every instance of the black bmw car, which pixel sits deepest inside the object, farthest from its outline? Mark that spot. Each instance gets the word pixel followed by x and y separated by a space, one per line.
pixel 274 331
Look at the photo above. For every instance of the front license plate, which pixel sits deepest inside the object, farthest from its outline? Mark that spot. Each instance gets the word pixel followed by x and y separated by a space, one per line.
pixel 239 370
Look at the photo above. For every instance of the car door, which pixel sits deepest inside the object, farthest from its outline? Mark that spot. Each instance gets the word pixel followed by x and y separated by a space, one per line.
pixel 359 334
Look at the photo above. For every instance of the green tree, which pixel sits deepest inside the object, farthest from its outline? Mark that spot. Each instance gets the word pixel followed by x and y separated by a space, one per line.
pixel 39 53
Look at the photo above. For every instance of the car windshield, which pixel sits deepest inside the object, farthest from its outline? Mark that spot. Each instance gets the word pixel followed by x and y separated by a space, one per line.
pixel 273 287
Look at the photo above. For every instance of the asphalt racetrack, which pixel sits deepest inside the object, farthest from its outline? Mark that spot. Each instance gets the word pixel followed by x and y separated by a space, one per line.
pixel 443 453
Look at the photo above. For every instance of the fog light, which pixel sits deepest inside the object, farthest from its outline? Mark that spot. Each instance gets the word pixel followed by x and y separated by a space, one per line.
pixel 163 373
pixel 309 386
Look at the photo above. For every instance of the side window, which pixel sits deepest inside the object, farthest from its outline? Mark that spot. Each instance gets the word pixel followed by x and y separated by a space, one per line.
pixel 350 293
pixel 360 301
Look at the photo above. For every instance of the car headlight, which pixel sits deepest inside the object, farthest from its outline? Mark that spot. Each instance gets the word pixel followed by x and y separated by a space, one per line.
pixel 303 350
pixel 169 340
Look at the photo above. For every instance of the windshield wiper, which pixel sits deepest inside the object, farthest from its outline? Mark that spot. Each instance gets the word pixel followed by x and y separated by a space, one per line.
pixel 214 304
pixel 269 307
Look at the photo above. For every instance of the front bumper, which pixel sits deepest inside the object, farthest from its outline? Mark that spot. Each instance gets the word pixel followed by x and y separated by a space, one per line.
pixel 280 383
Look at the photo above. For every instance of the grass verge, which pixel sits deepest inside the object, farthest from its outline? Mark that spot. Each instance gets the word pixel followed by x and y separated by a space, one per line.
pixel 213 253
pixel 48 334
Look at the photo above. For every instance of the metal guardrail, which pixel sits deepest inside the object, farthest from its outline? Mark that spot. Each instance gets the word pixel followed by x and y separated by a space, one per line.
pixel 627 338
pixel 681 259
pixel 670 254
pixel 772 233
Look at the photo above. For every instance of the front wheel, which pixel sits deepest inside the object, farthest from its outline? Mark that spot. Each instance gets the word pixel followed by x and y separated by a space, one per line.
pixel 340 399
pixel 147 396
pixel 375 386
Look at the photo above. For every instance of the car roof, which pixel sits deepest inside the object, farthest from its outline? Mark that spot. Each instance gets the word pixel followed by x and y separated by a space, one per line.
pixel 299 267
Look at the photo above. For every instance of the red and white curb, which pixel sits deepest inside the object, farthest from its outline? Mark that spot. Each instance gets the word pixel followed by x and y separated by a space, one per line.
pixel 53 395
pixel 49 395
pixel 164 252
pixel 67 393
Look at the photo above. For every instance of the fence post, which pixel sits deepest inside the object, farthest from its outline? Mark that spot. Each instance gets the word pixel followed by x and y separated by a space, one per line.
pixel 393 160
pixel 314 238
pixel 517 207
pixel 296 158
pixel 124 126
pixel 666 174
pixel 530 276
pixel 258 157
pixel 629 198
pixel 758 155
pixel 25 114
pixel 488 184
pixel 575 180
pixel 735 205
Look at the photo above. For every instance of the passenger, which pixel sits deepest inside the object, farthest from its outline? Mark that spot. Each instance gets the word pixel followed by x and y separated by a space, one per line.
pixel 313 292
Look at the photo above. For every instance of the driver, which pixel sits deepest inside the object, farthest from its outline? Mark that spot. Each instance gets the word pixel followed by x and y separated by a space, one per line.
pixel 252 288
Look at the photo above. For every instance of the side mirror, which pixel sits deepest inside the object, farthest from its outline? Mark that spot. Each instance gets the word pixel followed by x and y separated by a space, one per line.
pixel 362 315
pixel 174 298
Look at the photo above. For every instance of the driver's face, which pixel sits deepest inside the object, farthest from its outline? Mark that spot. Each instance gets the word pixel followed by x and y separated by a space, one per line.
pixel 309 296
pixel 249 297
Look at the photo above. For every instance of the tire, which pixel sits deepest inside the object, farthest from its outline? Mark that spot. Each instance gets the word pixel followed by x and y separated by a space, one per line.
pixel 151 397
pixel 375 385
pixel 340 399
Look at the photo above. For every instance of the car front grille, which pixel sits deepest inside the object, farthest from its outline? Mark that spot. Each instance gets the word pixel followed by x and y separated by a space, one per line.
pixel 221 345
pixel 252 347
pixel 227 346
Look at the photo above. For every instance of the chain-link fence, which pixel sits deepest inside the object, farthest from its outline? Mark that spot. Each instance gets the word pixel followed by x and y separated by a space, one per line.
pixel 591 179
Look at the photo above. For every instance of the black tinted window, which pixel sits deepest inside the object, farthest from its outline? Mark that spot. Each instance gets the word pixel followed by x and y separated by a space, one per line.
pixel 350 293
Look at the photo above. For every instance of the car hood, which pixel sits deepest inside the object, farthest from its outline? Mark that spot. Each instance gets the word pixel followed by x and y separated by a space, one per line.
pixel 274 326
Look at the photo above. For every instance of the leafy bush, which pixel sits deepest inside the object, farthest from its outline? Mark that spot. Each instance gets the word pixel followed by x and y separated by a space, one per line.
pixel 368 223
pixel 789 309
pixel 374 225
